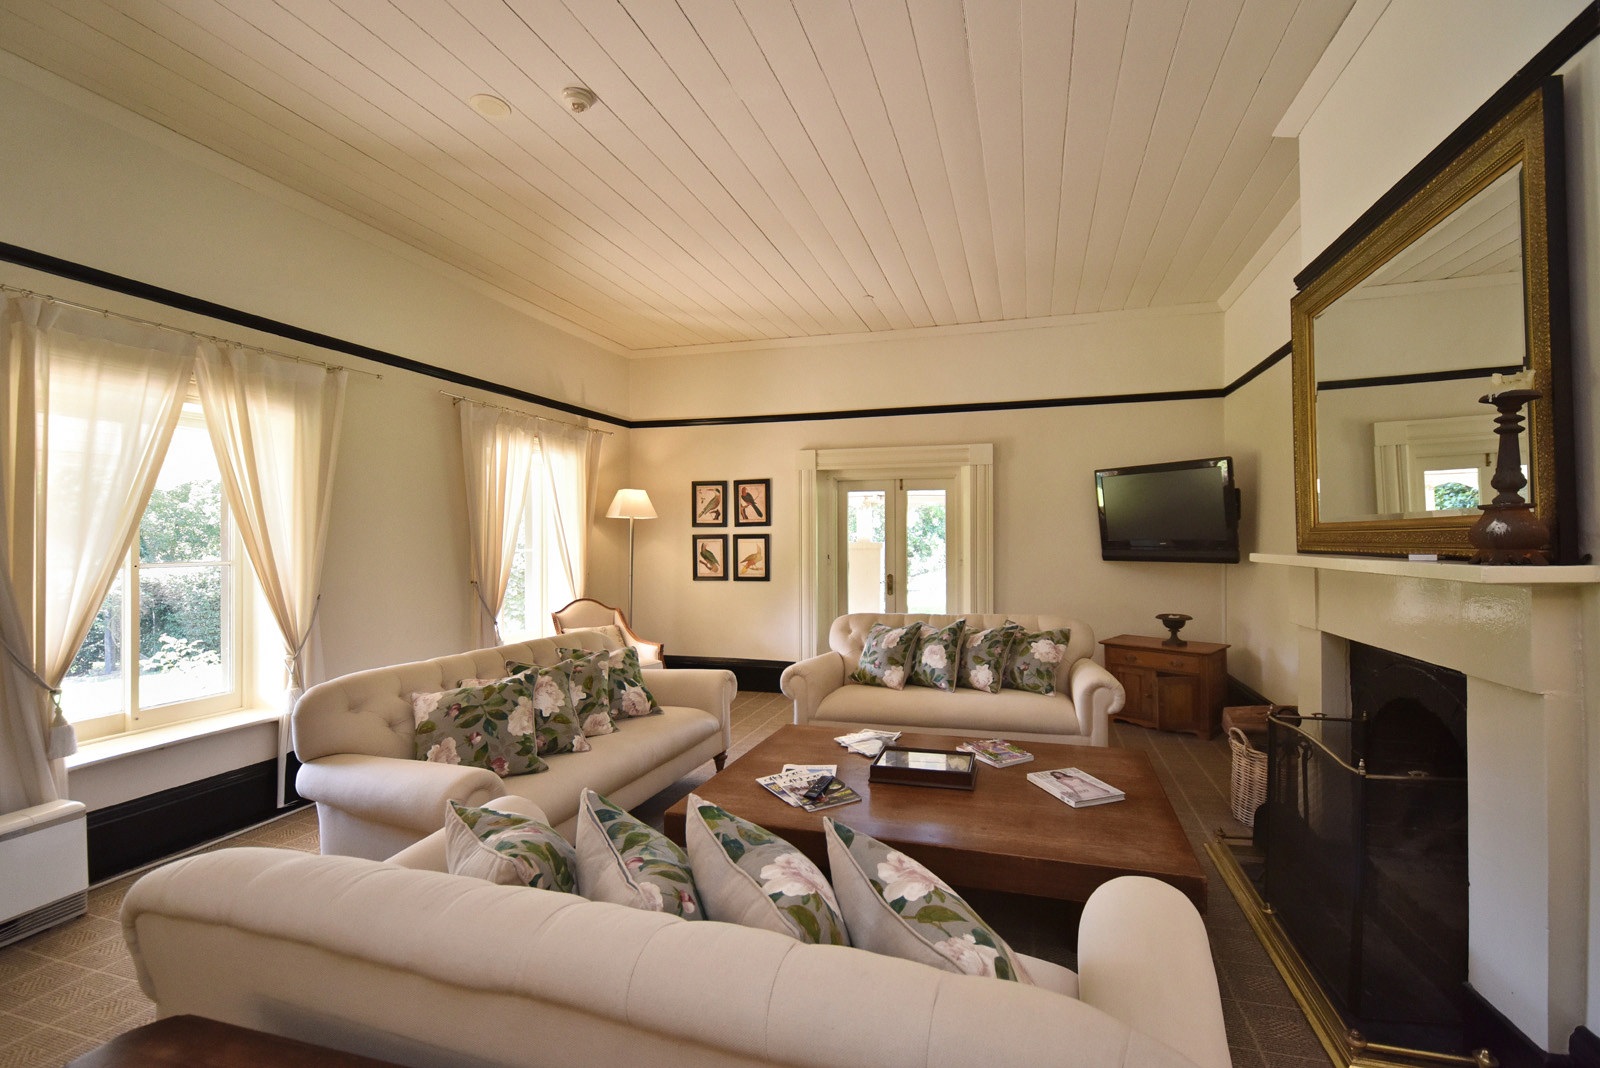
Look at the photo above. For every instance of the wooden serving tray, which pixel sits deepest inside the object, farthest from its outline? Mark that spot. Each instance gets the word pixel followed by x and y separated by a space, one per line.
pixel 904 765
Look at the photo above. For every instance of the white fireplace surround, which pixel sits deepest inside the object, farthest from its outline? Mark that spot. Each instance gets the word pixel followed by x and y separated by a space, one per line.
pixel 1517 634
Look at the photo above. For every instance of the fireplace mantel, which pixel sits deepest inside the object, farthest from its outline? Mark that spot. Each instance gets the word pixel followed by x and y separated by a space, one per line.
pixel 1442 570
pixel 1519 635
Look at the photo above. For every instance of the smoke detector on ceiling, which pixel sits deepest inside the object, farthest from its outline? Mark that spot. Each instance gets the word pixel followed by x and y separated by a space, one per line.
pixel 578 98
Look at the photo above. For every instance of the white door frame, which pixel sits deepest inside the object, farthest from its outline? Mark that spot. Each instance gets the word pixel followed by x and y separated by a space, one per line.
pixel 971 544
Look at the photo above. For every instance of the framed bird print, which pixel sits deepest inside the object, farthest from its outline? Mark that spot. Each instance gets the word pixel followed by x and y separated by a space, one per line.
pixel 708 504
pixel 750 557
pixel 710 557
pixel 752 503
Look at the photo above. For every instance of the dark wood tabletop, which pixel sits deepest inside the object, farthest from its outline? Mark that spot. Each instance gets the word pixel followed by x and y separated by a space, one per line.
pixel 196 1042
pixel 1006 834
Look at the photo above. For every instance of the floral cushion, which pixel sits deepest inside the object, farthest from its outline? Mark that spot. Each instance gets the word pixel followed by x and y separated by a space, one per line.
pixel 629 698
pixel 551 691
pixel 897 907
pixel 623 861
pixel 887 656
pixel 753 878
pixel 1034 659
pixel 505 848
pixel 983 657
pixel 492 726
pixel 938 655
pixel 590 688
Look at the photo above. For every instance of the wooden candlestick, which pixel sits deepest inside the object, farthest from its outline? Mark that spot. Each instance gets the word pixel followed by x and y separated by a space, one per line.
pixel 1509 531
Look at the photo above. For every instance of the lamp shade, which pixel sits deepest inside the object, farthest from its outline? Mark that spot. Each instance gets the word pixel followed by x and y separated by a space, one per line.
pixel 631 504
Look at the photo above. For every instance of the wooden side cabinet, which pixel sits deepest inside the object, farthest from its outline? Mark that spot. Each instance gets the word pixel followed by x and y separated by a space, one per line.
pixel 1170 687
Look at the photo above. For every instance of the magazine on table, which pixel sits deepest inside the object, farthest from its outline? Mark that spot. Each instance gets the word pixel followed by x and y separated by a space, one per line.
pixel 996 752
pixel 1076 787
pixel 812 787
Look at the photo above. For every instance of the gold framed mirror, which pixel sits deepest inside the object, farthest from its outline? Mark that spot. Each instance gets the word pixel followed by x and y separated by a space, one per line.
pixel 1455 280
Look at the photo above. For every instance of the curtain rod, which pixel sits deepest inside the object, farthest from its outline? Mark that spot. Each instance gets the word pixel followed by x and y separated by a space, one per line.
pixel 458 398
pixel 125 317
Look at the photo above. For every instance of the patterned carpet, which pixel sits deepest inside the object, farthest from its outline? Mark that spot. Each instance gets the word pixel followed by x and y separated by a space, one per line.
pixel 72 988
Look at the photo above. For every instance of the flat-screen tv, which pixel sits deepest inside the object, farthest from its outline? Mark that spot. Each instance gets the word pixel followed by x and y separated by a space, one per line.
pixel 1185 510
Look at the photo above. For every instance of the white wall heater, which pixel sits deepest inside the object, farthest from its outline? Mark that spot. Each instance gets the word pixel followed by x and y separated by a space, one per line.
pixel 44 868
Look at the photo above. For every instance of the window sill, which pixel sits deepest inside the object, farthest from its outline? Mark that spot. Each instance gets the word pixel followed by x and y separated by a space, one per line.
pixel 104 750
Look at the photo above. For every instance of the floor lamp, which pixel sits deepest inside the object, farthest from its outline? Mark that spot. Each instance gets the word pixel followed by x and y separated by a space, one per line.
pixel 631 504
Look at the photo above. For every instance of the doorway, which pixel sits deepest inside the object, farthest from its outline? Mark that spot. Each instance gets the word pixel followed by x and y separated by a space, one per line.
pixel 893 539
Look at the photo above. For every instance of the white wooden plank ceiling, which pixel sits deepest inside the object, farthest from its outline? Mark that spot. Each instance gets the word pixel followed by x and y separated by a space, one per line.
pixel 753 169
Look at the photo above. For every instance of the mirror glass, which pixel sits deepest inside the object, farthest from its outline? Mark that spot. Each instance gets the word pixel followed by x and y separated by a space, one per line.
pixel 1403 357
pixel 1452 283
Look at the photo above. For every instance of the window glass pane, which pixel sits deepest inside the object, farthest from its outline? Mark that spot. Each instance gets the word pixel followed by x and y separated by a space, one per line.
pixel 181 634
pixel 514 609
pixel 865 566
pixel 94 685
pixel 925 551
pixel 184 518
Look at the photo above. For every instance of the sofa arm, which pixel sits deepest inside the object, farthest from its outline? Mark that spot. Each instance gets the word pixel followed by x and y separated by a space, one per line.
pixel 1096 694
pixel 712 689
pixel 1143 958
pixel 399 793
pixel 807 682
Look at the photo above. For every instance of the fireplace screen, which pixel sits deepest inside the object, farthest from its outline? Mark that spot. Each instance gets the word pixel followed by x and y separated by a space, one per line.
pixel 1365 836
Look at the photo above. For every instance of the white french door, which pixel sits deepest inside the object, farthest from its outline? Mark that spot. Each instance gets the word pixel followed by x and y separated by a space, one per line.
pixel 893 537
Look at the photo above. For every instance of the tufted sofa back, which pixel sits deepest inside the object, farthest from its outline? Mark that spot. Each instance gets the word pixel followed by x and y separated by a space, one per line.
pixel 369 712
pixel 849 633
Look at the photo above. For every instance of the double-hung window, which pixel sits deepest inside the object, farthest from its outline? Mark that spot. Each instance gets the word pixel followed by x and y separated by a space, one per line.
pixel 168 643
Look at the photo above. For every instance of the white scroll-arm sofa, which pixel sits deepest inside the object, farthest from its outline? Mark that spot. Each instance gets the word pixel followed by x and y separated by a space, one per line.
pixel 353 736
pixel 1079 712
pixel 422 968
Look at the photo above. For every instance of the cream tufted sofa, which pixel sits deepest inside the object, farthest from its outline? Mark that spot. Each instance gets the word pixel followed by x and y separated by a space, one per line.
pixel 1078 712
pixel 422 968
pixel 354 737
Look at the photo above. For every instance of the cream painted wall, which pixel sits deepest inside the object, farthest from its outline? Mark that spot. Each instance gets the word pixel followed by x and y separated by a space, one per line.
pixel 1425 66
pixel 1132 352
pixel 1047 547
pixel 1258 431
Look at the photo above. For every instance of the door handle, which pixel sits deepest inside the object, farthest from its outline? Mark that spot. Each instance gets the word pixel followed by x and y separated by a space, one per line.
pixel 889 583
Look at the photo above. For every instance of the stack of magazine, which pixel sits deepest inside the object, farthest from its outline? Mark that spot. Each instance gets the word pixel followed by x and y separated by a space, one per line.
pixel 812 787
pixel 1076 787
pixel 996 752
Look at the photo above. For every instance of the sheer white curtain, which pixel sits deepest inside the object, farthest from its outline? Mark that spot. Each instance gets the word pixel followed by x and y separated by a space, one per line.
pixel 89 405
pixel 274 423
pixel 570 456
pixel 497 450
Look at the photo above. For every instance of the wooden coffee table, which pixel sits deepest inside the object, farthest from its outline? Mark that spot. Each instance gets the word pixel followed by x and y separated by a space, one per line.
pixel 1006 835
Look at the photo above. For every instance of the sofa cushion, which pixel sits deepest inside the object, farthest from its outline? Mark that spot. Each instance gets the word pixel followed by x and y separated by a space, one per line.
pixel 492 726
pixel 623 861
pixel 983 657
pixel 750 876
pixel 887 656
pixel 590 689
pixel 1035 658
pixel 897 907
pixel 629 697
pixel 938 659
pixel 508 849
pixel 551 689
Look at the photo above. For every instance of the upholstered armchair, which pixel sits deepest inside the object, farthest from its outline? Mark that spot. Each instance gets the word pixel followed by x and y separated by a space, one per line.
pixel 588 613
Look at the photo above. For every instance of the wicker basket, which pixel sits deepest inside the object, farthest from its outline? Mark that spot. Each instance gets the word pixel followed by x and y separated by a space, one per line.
pixel 1249 777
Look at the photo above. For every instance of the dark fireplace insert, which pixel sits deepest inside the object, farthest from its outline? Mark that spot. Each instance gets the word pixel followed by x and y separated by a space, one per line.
pixel 1364 833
